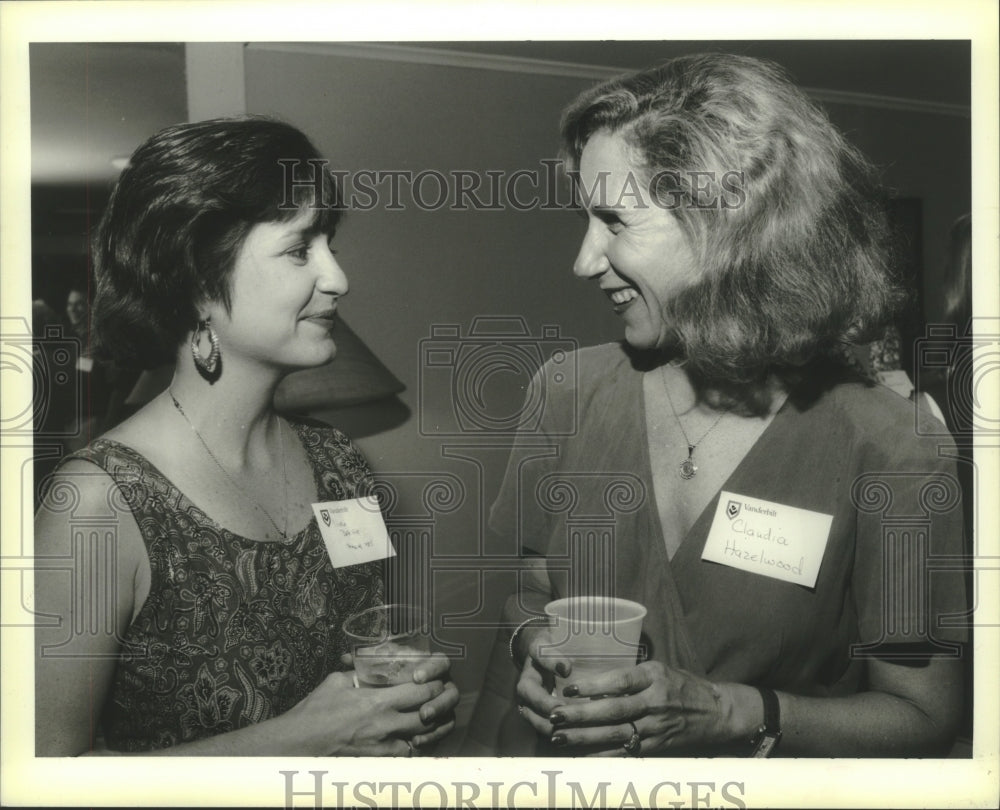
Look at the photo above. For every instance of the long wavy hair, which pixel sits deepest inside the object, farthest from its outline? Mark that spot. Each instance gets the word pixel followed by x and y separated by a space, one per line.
pixel 796 251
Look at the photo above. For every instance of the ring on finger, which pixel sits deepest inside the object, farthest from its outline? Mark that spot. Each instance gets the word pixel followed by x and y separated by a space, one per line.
pixel 520 711
pixel 633 746
pixel 409 748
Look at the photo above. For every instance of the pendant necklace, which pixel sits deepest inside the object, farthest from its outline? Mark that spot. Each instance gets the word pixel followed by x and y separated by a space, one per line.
pixel 283 533
pixel 688 469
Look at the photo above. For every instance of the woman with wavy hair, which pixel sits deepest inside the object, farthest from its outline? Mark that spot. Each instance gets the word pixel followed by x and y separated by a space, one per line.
pixel 742 241
pixel 208 617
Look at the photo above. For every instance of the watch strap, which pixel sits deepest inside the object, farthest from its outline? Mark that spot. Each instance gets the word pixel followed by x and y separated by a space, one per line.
pixel 767 736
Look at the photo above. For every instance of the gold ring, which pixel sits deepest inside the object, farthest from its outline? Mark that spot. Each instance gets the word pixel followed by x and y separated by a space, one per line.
pixel 634 745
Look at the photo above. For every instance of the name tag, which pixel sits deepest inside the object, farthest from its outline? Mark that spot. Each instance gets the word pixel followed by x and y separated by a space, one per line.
pixel 353 531
pixel 768 538
pixel 85 364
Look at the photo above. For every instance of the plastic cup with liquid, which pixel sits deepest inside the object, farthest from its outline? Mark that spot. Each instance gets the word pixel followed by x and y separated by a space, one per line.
pixel 388 643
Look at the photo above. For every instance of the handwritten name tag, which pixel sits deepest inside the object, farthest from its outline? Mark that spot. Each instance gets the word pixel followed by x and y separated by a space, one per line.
pixel 353 531
pixel 768 538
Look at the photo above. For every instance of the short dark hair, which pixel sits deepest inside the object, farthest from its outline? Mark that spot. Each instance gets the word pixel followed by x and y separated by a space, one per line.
pixel 803 262
pixel 177 218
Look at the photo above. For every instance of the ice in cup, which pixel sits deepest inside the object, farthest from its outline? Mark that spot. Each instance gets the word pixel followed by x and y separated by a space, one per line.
pixel 597 634
pixel 388 643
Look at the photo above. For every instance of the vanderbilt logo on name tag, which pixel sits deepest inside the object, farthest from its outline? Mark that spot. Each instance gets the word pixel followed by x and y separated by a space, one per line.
pixel 763 537
pixel 353 531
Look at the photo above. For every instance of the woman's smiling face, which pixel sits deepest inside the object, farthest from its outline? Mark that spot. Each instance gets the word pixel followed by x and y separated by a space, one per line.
pixel 634 248
pixel 285 287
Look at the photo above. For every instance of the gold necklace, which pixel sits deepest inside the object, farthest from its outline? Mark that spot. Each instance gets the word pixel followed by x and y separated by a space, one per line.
pixel 687 468
pixel 246 495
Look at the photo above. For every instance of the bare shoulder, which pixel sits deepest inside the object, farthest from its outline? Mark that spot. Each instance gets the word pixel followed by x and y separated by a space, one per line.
pixel 88 549
pixel 83 504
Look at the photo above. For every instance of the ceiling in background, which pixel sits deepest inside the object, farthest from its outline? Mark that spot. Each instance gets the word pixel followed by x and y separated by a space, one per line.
pixel 93 102
pixel 924 70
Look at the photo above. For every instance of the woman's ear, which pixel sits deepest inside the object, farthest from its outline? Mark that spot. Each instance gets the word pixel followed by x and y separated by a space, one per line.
pixel 206 310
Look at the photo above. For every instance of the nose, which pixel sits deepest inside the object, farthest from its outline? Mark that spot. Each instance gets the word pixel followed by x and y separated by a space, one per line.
pixel 330 277
pixel 592 260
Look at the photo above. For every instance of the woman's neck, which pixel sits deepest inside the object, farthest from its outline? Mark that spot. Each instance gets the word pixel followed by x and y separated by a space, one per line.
pixel 691 393
pixel 233 415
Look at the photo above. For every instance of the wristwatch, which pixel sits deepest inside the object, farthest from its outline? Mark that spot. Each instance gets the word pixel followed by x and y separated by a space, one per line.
pixel 767 736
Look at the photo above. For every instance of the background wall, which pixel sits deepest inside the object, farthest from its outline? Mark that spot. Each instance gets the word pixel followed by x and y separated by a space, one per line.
pixel 413 272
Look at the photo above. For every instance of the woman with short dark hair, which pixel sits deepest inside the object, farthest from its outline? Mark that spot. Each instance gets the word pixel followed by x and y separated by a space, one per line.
pixel 774 498
pixel 208 619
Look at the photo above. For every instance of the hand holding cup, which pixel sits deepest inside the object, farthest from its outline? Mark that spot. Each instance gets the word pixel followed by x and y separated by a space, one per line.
pixel 585 636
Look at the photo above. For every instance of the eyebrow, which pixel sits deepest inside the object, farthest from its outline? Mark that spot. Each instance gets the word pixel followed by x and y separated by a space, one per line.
pixel 606 213
pixel 307 232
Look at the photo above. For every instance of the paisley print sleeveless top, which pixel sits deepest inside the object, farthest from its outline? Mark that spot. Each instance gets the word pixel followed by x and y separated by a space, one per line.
pixel 234 630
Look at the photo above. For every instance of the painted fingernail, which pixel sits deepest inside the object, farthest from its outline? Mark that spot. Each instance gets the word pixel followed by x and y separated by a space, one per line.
pixel 558 739
pixel 562 669
pixel 572 690
pixel 557 718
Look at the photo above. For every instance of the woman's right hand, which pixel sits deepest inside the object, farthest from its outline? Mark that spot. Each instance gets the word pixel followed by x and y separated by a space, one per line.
pixel 337 719
pixel 535 685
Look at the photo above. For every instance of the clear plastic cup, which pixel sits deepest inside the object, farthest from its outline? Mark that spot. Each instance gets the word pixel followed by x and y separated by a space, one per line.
pixel 388 643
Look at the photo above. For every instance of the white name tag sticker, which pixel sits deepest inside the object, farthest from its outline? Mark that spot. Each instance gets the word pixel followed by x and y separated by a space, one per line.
pixel 353 531
pixel 85 364
pixel 763 537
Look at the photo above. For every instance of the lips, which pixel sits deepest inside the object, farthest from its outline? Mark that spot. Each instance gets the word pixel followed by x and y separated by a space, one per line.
pixel 323 318
pixel 621 297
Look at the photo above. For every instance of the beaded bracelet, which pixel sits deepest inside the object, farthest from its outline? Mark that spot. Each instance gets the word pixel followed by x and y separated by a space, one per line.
pixel 517 632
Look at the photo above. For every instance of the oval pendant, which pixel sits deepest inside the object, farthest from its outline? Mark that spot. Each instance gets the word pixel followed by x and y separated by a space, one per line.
pixel 688 469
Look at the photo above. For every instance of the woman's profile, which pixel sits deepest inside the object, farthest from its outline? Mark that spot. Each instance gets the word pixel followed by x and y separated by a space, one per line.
pixel 767 478
pixel 204 615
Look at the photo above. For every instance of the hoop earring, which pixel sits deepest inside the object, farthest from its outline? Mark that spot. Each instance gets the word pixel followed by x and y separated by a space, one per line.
pixel 208 367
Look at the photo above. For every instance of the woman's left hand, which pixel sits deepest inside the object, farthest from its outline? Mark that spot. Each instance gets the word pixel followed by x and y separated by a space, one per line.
pixel 670 708
pixel 438 714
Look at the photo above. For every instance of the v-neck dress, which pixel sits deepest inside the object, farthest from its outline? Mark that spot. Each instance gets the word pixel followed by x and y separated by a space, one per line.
pixel 579 491
pixel 234 630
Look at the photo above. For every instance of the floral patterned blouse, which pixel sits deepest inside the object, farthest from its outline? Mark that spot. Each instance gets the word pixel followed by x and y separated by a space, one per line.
pixel 234 631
